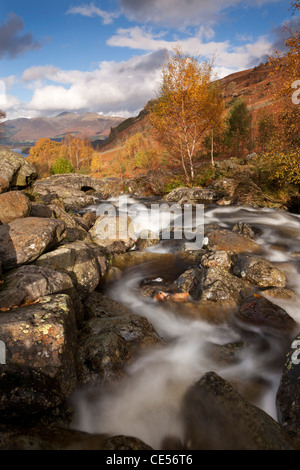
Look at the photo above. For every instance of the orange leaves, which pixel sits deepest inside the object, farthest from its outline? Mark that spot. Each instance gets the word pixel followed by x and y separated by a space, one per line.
pixel 45 153
pixel 178 297
pixel 13 307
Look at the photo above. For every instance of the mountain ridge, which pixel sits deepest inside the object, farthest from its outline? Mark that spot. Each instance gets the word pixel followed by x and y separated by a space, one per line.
pixel 29 130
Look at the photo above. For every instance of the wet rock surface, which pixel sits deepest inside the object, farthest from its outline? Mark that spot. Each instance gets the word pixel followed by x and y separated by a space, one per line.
pixel 257 310
pixel 63 332
pixel 288 394
pixel 231 241
pixel 39 373
pixel 259 271
pixel 217 417
pixel 109 340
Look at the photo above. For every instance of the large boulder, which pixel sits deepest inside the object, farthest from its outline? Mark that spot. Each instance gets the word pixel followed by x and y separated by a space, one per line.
pixel 115 233
pixel 39 374
pixel 259 271
pixel 29 283
pixel 15 171
pixel 72 198
pixel 193 195
pixel 109 340
pixel 231 241
pixel 288 394
pixel 24 240
pixel 212 284
pixel 259 311
pixel 85 263
pixel 219 285
pixel 76 229
pixel 217 417
pixel 41 210
pixel 13 205
pixel 99 305
pixel 59 438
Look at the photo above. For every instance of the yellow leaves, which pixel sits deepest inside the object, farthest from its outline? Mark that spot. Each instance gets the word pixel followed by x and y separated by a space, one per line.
pixel 188 106
pixel 288 63
pixel 285 166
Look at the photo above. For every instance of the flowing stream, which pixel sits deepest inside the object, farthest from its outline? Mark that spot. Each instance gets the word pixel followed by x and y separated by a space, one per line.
pixel 147 403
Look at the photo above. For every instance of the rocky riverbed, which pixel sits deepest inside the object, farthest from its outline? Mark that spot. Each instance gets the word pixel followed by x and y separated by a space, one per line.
pixel 136 342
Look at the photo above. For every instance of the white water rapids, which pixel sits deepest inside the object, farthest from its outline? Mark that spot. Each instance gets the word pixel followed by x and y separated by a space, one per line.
pixel 147 403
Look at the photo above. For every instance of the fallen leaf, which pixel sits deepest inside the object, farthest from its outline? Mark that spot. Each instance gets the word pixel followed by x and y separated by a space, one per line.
pixel 181 297
pixel 161 296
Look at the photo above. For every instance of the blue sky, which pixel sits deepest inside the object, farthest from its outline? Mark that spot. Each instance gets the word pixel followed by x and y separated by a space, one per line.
pixel 106 56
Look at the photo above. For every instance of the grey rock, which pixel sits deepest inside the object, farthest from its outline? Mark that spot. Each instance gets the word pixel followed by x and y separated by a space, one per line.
pixel 24 240
pixel 114 233
pixel 15 171
pixel 190 281
pixel 30 283
pixel 193 195
pixel 217 259
pixel 219 285
pixel 41 210
pixel 259 271
pixel 85 263
pixel 40 344
pixel 244 229
pixel 109 341
pixel 288 394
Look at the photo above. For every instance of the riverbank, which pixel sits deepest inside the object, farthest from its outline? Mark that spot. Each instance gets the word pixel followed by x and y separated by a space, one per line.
pixel 135 341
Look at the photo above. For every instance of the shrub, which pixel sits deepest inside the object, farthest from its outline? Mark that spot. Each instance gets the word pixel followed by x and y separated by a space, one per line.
pixel 282 167
pixel 61 166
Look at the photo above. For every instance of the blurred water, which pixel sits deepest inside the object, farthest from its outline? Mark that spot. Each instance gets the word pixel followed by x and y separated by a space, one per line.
pixel 147 403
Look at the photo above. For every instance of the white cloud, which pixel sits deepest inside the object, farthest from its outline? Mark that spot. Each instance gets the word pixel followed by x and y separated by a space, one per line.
pixel 227 56
pixel 114 88
pixel 123 88
pixel 92 10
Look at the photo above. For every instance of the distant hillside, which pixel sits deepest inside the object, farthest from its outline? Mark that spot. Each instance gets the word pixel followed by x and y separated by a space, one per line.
pixel 92 125
pixel 255 85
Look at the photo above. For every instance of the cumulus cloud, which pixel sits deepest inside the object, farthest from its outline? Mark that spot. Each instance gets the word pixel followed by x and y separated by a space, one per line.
pixel 181 13
pixel 114 88
pixel 227 57
pixel 13 42
pixel 123 88
pixel 92 10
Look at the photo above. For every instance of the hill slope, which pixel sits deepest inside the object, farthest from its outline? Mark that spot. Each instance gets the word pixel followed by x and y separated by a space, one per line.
pixel 255 85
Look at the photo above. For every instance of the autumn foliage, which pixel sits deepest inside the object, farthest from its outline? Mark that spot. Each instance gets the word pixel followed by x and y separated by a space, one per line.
pixel 189 105
pixel 136 154
pixel 46 154
pixel 283 156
